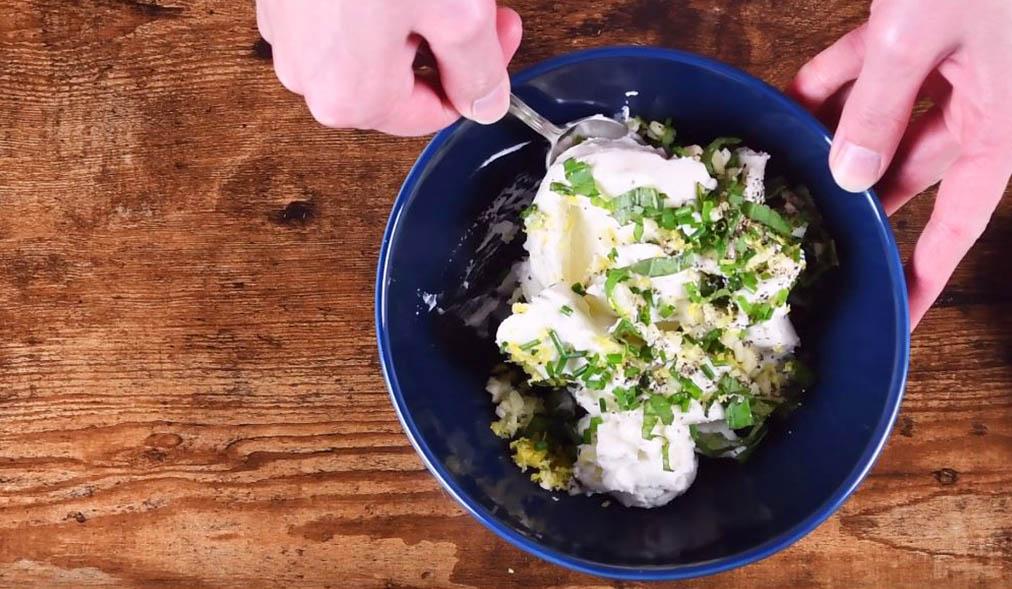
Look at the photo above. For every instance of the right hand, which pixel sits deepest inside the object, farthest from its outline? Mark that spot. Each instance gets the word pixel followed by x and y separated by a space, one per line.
pixel 353 60
pixel 959 54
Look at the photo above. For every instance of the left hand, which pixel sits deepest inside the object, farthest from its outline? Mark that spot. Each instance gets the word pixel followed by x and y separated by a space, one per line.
pixel 958 54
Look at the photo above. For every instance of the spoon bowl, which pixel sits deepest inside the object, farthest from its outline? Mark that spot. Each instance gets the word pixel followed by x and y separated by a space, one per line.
pixel 562 138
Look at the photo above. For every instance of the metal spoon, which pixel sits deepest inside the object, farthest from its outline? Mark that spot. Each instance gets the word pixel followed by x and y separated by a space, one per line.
pixel 562 138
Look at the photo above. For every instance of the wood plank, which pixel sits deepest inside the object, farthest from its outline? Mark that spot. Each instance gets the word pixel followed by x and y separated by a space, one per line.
pixel 189 388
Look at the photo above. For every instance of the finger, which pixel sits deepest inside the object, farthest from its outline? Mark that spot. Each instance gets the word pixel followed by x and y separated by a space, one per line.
pixel 262 20
pixel 286 69
pixel 422 112
pixel 510 29
pixel 462 35
pixel 968 196
pixel 423 109
pixel 826 73
pixel 879 106
pixel 927 150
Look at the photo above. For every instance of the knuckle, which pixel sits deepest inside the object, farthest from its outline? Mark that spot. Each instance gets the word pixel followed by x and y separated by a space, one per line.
pixel 897 43
pixel 468 19
pixel 286 74
pixel 332 109
pixel 962 231
pixel 352 105
pixel 812 78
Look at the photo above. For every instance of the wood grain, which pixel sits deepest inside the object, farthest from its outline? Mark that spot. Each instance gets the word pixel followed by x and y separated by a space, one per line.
pixel 189 389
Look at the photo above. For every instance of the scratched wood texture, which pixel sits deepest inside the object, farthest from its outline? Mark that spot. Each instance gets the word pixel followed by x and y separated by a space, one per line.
pixel 189 388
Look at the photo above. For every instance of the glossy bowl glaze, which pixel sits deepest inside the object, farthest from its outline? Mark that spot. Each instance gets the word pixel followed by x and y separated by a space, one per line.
pixel 436 366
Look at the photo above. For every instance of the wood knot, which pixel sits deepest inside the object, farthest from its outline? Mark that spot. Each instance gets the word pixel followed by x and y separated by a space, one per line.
pixel 77 516
pixel 906 427
pixel 297 213
pixel 163 440
pixel 262 50
pixel 978 429
pixel 946 476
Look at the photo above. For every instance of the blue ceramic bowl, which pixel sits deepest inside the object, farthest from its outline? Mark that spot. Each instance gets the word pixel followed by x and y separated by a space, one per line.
pixel 436 367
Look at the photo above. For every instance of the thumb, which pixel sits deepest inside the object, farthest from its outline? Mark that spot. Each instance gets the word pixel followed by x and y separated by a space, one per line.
pixel 878 109
pixel 470 60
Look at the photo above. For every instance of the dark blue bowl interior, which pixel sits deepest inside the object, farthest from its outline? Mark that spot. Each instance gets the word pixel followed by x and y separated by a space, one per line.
pixel 437 367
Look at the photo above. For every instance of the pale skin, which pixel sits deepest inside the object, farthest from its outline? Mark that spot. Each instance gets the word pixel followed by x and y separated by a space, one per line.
pixel 353 62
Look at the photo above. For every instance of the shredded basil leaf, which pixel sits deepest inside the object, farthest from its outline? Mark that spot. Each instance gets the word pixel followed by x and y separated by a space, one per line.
pixel 580 177
pixel 738 414
pixel 665 266
pixel 767 216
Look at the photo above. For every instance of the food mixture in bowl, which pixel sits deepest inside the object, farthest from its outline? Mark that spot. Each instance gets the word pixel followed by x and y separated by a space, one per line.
pixel 652 322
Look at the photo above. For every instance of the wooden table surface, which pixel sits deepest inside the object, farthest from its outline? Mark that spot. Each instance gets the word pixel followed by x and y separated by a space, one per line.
pixel 189 387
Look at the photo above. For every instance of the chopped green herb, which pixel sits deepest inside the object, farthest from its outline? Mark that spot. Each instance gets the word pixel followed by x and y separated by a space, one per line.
pixel 614 277
pixel 530 345
pixel 660 406
pixel 528 211
pixel 712 148
pixel 624 328
pixel 614 359
pixel 767 216
pixel 668 219
pixel 580 177
pixel 632 205
pixel 731 386
pixel 649 421
pixel 638 230
pixel 644 315
pixel 735 195
pixel 707 370
pixel 749 280
pixel 566 310
pixel 706 211
pixel 757 312
pixel 588 434
pixel 666 310
pixel 665 461
pixel 626 398
pixel 738 414
pixel 560 188
pixel 711 342
pixel 710 444
pixel 578 289
pixel 654 267
pixel 602 405
pixel 613 254
pixel 557 343
pixel 690 387
pixel 692 291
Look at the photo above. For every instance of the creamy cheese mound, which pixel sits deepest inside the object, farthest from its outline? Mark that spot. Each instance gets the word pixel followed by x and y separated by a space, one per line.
pixel 655 294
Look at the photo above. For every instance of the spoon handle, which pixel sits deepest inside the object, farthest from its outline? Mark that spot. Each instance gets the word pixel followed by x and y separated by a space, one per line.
pixel 532 119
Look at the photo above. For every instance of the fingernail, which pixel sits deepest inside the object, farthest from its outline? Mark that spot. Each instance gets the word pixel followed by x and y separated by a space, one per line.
pixel 491 107
pixel 855 168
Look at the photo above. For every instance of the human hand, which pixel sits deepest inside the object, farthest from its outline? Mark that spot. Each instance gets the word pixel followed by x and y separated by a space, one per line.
pixel 958 54
pixel 353 60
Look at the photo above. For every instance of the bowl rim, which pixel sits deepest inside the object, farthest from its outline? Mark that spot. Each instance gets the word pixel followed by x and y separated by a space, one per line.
pixel 654 573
